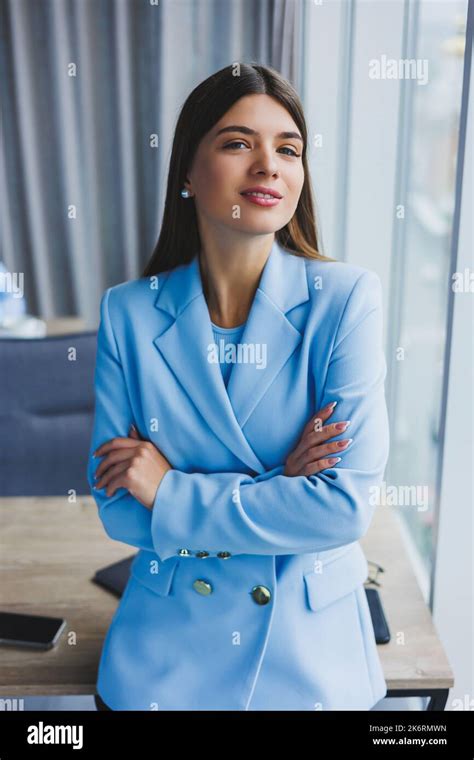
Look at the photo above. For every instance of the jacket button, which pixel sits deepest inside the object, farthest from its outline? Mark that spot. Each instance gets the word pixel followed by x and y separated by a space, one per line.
pixel 261 594
pixel 224 555
pixel 184 552
pixel 202 554
pixel 202 587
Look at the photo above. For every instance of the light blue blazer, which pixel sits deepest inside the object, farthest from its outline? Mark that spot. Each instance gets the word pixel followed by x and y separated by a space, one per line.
pixel 247 592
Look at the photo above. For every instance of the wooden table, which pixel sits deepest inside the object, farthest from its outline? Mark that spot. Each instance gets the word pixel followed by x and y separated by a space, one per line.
pixel 64 325
pixel 414 662
pixel 51 549
pixel 49 552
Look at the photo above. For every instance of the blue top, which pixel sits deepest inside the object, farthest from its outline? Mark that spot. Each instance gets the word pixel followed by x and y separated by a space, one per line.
pixel 223 337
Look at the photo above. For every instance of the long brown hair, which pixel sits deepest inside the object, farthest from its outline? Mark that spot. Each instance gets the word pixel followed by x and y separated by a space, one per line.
pixel 179 239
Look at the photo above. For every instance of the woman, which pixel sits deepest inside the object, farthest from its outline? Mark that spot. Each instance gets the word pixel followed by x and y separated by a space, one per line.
pixel 238 485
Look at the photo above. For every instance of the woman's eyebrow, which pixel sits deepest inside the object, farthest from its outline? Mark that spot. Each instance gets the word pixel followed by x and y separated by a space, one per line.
pixel 249 131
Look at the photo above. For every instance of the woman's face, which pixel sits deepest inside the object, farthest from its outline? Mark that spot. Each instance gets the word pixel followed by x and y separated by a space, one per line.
pixel 252 153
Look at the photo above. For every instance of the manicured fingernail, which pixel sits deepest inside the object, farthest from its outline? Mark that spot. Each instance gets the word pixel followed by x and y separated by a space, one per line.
pixel 334 460
pixel 342 425
pixel 341 444
pixel 331 405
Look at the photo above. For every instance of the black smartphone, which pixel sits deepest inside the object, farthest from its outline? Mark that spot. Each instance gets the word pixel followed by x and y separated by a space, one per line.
pixel 31 631
pixel 379 621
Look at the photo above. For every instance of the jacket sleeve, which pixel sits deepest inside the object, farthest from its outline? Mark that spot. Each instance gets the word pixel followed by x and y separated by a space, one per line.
pixel 277 514
pixel 124 517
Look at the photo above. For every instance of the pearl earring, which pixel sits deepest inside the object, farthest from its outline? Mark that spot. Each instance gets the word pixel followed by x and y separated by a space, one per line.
pixel 185 193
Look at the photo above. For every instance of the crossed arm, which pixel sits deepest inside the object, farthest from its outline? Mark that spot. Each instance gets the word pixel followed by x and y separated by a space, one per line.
pixel 273 513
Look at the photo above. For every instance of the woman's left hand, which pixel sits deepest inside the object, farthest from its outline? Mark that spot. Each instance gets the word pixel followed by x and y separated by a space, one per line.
pixel 134 464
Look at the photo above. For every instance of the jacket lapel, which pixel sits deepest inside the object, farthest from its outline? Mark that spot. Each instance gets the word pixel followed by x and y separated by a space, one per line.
pixel 268 341
pixel 268 333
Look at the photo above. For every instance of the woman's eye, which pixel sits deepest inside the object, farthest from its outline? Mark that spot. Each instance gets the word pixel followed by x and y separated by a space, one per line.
pixel 292 152
pixel 239 142
pixel 232 144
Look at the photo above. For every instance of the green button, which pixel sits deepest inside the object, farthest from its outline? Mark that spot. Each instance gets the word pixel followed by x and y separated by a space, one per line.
pixel 261 594
pixel 202 587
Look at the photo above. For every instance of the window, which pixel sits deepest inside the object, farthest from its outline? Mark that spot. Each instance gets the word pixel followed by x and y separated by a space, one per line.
pixel 430 116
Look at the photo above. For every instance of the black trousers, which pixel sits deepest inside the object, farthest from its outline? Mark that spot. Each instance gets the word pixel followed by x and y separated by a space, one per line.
pixel 100 704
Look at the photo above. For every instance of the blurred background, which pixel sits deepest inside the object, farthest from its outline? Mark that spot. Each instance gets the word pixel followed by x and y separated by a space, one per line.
pixel 90 93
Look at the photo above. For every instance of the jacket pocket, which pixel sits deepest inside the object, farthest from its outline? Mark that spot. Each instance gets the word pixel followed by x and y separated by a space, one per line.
pixel 153 573
pixel 336 578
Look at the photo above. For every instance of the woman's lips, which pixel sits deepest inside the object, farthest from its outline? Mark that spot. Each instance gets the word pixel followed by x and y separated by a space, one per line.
pixel 258 201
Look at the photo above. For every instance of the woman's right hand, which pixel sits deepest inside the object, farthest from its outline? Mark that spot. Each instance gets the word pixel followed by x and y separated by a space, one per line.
pixel 312 454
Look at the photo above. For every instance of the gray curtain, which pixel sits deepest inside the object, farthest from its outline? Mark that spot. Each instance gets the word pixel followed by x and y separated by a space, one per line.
pixel 84 87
